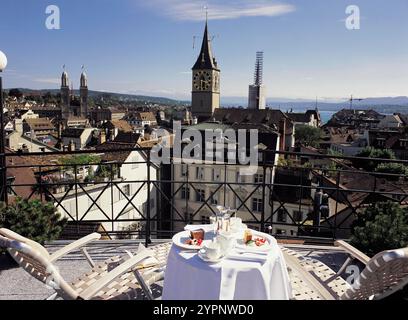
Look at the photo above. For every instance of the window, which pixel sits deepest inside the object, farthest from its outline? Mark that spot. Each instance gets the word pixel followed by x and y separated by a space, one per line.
pixel 239 178
pixel 205 220
pixel 238 202
pixel 185 193
pixel 199 173
pixel 257 204
pixel 258 178
pixel 216 174
pixel 282 215
pixel 200 195
pixel 297 216
pixel 126 191
pixel 214 199
pixel 184 170
pixel 280 231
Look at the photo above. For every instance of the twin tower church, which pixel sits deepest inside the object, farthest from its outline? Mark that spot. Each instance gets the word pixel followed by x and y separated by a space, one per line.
pixel 205 88
pixel 71 107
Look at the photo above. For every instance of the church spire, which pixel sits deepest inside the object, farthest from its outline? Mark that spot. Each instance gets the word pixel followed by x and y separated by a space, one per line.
pixel 205 59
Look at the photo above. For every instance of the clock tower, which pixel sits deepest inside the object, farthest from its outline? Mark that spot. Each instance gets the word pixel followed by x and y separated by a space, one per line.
pixel 206 82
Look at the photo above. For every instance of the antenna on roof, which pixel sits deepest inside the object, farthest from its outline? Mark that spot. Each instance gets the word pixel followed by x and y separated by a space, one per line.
pixel 258 75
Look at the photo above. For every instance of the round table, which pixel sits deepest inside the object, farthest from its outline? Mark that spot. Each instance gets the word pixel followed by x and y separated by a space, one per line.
pixel 253 277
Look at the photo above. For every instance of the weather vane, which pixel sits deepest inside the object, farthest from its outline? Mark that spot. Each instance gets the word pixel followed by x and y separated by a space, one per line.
pixel 206 13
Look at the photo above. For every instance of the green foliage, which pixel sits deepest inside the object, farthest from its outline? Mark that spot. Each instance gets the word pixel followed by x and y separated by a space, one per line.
pixel 307 135
pixel 382 226
pixel 370 152
pixel 35 220
pixel 392 168
pixel 81 160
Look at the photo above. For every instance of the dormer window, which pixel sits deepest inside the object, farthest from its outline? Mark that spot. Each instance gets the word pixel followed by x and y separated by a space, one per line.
pixel 381 142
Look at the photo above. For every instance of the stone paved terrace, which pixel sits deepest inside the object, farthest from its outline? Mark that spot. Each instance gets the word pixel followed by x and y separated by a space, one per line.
pixel 16 284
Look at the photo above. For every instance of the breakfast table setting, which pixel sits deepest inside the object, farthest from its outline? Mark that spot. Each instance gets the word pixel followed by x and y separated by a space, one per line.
pixel 225 260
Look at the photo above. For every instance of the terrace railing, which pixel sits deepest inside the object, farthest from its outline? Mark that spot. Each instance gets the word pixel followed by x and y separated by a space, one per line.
pixel 310 196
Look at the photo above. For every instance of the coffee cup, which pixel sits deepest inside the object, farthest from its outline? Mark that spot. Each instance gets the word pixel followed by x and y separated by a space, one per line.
pixel 211 250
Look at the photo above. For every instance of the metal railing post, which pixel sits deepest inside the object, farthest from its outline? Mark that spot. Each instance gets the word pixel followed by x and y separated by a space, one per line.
pixel 263 191
pixel 76 198
pixel 3 163
pixel 148 241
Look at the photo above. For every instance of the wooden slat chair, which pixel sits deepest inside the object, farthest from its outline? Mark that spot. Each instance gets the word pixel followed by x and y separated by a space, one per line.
pixel 115 278
pixel 383 275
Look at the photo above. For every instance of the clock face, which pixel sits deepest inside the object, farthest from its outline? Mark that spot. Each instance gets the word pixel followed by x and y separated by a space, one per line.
pixel 202 80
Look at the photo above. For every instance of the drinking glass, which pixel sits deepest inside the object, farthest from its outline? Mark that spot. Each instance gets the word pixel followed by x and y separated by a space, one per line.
pixel 226 222
pixel 213 221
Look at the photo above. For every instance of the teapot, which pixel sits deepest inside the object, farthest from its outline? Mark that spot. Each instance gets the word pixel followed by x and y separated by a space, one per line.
pixel 227 241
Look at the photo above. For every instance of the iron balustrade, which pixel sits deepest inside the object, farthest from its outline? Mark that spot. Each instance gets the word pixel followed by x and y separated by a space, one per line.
pixel 276 197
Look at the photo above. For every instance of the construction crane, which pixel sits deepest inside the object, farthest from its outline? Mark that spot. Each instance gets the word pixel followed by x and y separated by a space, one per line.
pixel 353 99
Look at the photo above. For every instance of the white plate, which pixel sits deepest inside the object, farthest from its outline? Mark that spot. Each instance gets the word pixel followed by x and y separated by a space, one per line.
pixel 180 238
pixel 255 234
pixel 206 259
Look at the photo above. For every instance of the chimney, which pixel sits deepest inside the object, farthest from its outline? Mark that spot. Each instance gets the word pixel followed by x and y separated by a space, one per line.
pixel 102 137
pixel 282 132
pixel 18 125
pixel 71 146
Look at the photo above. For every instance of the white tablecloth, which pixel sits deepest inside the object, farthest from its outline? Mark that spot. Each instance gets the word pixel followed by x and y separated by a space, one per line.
pixel 187 277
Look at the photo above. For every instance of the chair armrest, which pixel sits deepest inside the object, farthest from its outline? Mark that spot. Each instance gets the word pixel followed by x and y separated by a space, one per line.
pixel 354 252
pixel 90 292
pixel 74 246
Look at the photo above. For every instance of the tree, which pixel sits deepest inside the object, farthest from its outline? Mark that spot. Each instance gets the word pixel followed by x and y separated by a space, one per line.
pixel 370 152
pixel 382 226
pixel 15 93
pixel 395 169
pixel 35 220
pixel 307 135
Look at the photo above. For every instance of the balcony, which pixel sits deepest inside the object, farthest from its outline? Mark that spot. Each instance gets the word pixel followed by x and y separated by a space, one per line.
pixel 307 201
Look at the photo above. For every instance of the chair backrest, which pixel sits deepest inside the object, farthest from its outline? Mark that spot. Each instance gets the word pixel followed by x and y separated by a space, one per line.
pixel 35 259
pixel 384 274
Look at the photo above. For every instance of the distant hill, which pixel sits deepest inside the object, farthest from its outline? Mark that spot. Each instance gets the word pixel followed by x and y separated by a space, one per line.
pixel 383 104
pixel 118 96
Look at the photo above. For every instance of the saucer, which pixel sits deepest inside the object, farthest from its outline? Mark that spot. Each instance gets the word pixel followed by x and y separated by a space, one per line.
pixel 206 259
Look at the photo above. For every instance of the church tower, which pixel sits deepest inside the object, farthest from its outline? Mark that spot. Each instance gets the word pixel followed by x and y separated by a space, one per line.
pixel 65 96
pixel 206 82
pixel 84 95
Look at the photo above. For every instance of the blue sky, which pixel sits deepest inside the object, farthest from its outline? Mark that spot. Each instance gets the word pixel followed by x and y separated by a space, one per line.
pixel 146 46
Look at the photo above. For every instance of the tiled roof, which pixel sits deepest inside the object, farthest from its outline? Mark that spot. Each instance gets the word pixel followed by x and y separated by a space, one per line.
pixel 269 117
pixel 72 132
pixel 40 124
pixel 121 125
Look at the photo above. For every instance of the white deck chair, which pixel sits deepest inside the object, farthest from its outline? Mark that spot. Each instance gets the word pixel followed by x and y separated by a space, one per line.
pixel 115 278
pixel 383 275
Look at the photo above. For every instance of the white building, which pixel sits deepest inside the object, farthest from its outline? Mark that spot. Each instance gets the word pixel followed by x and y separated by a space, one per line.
pixel 118 204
